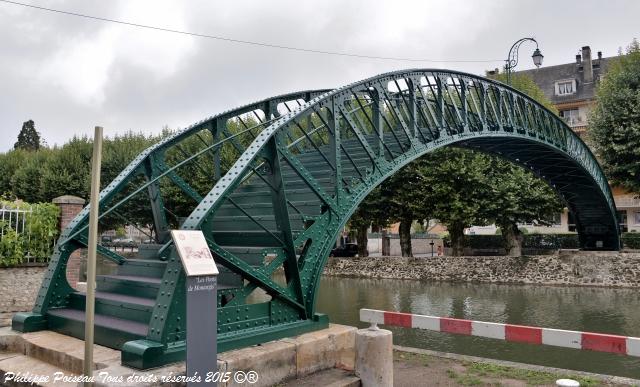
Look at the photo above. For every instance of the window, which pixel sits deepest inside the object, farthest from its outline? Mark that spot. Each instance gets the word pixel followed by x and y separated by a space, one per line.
pixel 637 220
pixel 572 222
pixel 571 117
pixel 565 87
pixel 622 220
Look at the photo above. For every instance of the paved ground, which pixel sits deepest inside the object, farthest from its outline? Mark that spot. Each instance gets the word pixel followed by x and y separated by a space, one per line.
pixel 429 368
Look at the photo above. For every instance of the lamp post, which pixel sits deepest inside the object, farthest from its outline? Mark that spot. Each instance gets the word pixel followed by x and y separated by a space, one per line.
pixel 512 59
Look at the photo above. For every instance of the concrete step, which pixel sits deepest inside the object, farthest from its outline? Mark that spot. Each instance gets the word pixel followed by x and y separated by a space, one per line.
pixel 333 377
pixel 38 372
pixel 275 361
pixel 62 352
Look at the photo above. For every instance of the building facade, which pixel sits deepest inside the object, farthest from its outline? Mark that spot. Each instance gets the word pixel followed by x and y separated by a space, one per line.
pixel 571 87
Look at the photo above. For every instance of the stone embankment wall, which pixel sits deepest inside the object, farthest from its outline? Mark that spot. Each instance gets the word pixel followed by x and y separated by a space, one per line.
pixel 19 286
pixel 580 268
pixel 18 290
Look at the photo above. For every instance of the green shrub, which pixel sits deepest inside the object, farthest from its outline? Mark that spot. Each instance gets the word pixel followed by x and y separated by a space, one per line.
pixel 631 240
pixel 43 228
pixel 35 240
pixel 11 252
pixel 483 241
pixel 531 241
pixel 550 241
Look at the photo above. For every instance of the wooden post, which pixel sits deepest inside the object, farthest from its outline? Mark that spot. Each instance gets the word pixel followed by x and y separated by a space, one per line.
pixel 91 256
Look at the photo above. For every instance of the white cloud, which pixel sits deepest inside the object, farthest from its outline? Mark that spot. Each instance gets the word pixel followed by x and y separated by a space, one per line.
pixel 70 74
pixel 162 53
pixel 81 67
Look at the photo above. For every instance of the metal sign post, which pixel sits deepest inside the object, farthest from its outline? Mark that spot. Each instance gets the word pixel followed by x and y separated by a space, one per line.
pixel 201 271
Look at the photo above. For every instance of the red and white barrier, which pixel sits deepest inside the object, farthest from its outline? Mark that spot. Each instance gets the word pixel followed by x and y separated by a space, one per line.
pixel 516 333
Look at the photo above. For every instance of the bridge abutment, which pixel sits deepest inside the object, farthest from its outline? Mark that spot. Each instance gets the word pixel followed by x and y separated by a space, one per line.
pixel 45 352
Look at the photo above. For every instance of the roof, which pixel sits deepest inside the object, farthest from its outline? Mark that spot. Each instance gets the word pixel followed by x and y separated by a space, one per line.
pixel 546 77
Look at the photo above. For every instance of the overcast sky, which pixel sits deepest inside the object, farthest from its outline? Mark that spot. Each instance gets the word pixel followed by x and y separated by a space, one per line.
pixel 70 74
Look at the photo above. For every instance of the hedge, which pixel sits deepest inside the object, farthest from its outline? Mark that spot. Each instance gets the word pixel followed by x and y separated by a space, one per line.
pixel 531 241
pixel 551 241
pixel 631 240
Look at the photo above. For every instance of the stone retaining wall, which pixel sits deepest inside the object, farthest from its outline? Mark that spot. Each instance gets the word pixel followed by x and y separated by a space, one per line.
pixel 18 290
pixel 19 286
pixel 580 268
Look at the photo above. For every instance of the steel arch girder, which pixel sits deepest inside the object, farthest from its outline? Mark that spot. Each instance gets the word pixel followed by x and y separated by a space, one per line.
pixel 561 138
pixel 514 116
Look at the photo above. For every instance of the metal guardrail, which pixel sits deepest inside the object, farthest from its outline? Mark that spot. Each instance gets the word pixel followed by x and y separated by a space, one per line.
pixel 14 219
pixel 600 342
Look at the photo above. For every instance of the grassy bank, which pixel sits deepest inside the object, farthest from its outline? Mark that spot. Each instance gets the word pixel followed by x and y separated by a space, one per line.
pixel 412 365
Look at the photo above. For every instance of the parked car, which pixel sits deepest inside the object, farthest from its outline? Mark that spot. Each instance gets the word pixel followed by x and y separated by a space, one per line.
pixel 346 250
pixel 124 242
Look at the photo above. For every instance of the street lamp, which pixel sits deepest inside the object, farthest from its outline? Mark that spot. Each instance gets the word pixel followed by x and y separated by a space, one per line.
pixel 512 59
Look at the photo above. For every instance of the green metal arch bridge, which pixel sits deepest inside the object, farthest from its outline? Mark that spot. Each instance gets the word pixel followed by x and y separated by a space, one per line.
pixel 272 183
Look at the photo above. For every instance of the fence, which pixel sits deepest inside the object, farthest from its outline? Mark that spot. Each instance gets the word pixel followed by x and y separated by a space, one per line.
pixel 27 232
pixel 515 333
pixel 14 218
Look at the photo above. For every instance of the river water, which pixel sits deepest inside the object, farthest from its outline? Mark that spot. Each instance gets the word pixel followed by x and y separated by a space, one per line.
pixel 605 310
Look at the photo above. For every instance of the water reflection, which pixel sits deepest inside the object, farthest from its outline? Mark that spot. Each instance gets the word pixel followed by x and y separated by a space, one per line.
pixel 575 308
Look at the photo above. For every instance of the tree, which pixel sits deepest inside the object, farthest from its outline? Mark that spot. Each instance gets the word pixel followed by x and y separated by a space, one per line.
pixel 517 196
pixel 455 184
pixel 67 171
pixel 28 138
pixel 404 200
pixel 368 213
pixel 526 85
pixel 614 121
pixel 26 181
pixel 10 162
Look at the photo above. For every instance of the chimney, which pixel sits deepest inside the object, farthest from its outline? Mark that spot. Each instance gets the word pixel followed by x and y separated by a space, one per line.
pixel 587 73
pixel 578 59
pixel 599 55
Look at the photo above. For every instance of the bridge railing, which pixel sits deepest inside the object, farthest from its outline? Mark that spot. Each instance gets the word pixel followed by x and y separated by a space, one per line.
pixel 590 341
